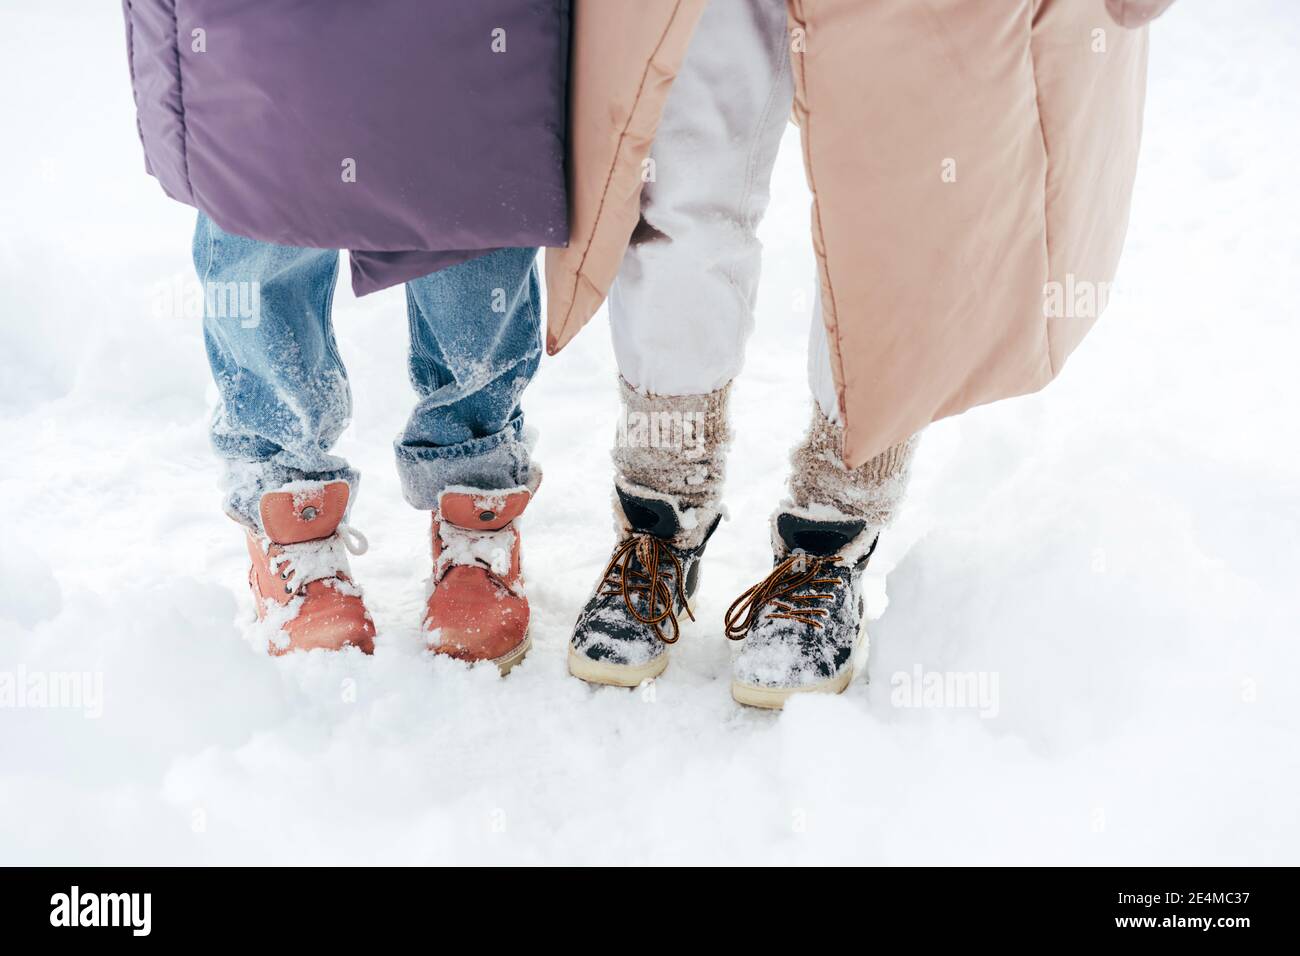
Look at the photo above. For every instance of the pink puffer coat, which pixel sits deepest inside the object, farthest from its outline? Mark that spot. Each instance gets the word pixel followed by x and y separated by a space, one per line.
pixel 971 163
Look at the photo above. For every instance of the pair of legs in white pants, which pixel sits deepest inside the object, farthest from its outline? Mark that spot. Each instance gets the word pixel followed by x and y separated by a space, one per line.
pixel 681 310
pixel 682 307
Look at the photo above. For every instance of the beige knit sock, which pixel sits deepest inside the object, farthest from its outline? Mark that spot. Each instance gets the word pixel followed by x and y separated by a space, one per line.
pixel 819 478
pixel 674 444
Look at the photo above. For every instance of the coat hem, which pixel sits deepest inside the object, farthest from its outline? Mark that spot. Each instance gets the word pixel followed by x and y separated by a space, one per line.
pixel 556 339
pixel 1047 166
pixel 830 310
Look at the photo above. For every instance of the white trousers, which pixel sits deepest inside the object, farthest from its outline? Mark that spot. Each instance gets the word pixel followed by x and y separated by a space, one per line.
pixel 682 307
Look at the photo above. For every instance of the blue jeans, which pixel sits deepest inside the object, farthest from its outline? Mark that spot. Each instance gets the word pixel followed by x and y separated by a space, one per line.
pixel 284 396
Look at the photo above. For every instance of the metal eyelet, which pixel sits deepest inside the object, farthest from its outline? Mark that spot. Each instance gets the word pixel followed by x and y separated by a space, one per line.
pixel 487 516
pixel 308 514
pixel 288 589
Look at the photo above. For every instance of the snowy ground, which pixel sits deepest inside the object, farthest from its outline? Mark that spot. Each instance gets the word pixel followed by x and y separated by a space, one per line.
pixel 1120 552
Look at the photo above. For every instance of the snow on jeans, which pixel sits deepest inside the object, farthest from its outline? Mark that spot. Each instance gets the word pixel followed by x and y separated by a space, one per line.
pixel 475 333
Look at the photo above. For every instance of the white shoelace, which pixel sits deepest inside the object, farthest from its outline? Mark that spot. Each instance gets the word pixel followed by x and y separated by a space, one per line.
pixel 353 539
pixel 300 564
pixel 489 549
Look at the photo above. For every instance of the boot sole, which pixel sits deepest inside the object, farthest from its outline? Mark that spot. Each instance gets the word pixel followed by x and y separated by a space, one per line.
pixel 774 698
pixel 503 663
pixel 514 656
pixel 615 675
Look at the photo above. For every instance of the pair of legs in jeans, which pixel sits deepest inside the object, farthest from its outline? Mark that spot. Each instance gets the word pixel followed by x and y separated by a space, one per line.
pixel 475 332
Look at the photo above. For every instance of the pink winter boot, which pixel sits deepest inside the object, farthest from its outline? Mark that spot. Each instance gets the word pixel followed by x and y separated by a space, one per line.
pixel 300 579
pixel 477 610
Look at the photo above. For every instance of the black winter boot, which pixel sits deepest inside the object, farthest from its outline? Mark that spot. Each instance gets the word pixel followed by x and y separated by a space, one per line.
pixel 623 633
pixel 802 624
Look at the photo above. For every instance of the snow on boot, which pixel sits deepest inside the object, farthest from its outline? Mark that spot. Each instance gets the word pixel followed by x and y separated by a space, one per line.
pixel 802 624
pixel 300 579
pixel 622 635
pixel 477 610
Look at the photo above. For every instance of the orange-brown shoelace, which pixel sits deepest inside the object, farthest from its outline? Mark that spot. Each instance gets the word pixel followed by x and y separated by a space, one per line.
pixel 629 582
pixel 795 572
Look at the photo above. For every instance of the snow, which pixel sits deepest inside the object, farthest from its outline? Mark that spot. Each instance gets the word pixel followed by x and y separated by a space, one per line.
pixel 1114 559
pixel 308 561
pixel 490 549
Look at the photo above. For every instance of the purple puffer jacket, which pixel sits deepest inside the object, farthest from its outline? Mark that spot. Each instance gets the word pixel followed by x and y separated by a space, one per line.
pixel 417 133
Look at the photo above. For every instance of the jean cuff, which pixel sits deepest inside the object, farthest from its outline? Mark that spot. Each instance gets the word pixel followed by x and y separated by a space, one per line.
pixel 496 461
pixel 245 482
